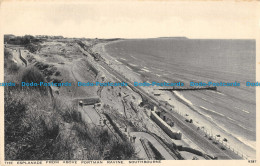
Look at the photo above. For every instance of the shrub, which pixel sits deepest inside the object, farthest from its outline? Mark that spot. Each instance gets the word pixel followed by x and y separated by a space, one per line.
pixel 57 73
pixel 41 65
pixel 31 74
pixel 38 127
pixel 14 112
pixel 9 63
pixel 33 47
pixel 71 115
pixel 121 151
pixel 29 130
pixel 7 54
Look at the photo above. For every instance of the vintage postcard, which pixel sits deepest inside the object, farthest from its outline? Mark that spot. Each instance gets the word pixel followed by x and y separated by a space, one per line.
pixel 150 82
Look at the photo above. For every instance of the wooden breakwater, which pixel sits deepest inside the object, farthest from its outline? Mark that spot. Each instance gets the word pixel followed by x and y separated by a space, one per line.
pixel 190 89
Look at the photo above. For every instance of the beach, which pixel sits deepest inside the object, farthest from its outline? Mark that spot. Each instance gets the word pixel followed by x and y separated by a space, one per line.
pixel 222 112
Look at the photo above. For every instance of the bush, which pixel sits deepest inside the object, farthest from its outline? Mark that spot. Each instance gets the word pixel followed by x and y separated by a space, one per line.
pixel 14 112
pixel 9 63
pixel 31 74
pixel 30 131
pixel 57 73
pixel 20 40
pixel 33 47
pixel 121 151
pixel 38 127
pixel 7 54
pixel 41 65
pixel 71 115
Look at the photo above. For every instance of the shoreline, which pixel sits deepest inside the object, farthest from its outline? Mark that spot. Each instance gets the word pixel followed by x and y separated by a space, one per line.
pixel 215 129
pixel 133 76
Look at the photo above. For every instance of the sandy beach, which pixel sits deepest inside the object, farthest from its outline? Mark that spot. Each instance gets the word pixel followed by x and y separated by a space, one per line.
pixel 181 105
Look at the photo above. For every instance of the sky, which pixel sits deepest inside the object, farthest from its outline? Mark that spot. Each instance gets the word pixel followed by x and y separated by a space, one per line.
pixel 135 19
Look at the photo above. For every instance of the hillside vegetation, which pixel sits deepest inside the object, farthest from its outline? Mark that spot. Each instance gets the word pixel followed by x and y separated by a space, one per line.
pixel 39 126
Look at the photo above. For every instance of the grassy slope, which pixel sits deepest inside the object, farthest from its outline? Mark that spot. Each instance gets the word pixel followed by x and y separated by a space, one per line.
pixel 38 127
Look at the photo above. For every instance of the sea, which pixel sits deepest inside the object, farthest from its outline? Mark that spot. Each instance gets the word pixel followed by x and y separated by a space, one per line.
pixel 233 109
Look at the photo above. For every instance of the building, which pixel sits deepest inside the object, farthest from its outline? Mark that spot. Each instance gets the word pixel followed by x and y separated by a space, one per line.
pixel 89 101
pixel 165 127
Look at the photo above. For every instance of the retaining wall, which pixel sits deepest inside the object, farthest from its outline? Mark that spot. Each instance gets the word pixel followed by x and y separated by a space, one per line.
pixel 165 127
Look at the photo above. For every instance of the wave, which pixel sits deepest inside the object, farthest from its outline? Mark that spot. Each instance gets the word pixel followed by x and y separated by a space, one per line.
pixel 207 116
pixel 234 122
pixel 251 144
pixel 212 121
pixel 243 110
pixel 133 65
pixel 207 100
pixel 211 111
pixel 240 139
pixel 227 118
pixel 205 113
pixel 146 70
pixel 221 93
pixel 117 61
pixel 231 119
pixel 133 57
pixel 218 93
pixel 182 98
pixel 128 68
pixel 157 69
pixel 244 127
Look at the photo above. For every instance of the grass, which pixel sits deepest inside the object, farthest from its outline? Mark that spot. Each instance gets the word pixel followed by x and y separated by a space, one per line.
pixel 33 47
pixel 38 127
pixel 30 129
pixel 46 69
pixel 9 65
pixel 32 74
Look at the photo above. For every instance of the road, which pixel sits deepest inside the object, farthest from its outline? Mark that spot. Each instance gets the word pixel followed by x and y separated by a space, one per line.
pixel 192 134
